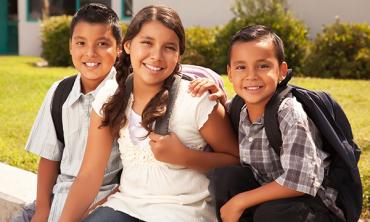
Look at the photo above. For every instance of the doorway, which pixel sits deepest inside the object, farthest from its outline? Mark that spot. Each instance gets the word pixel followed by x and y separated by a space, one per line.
pixel 9 27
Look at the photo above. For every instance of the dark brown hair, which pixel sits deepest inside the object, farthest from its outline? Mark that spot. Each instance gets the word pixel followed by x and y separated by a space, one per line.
pixel 114 110
pixel 258 32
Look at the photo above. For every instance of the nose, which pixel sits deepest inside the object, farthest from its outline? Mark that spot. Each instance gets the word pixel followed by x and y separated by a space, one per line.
pixel 156 53
pixel 90 51
pixel 251 74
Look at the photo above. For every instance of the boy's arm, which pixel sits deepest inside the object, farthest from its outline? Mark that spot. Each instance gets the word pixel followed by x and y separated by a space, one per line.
pixel 216 131
pixel 235 207
pixel 46 178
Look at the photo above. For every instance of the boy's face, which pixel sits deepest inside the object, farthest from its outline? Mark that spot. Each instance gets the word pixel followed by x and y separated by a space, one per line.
pixel 94 51
pixel 254 71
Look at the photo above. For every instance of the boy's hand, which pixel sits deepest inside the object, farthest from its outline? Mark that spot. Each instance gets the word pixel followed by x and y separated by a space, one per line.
pixel 200 85
pixel 168 148
pixel 231 210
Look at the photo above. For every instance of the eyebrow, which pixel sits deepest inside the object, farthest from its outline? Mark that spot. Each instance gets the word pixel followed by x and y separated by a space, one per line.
pixel 150 38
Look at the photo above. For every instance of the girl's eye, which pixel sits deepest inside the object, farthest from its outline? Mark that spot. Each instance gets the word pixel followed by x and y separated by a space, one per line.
pixel 80 43
pixel 146 43
pixel 171 48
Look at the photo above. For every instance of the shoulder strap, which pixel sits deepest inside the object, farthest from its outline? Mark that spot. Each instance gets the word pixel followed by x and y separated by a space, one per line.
pixel 60 95
pixel 235 107
pixel 271 113
pixel 162 123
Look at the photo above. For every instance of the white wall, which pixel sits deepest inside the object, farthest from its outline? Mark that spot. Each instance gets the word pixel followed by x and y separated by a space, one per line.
pixel 194 12
pixel 316 13
pixel 208 13
pixel 29 41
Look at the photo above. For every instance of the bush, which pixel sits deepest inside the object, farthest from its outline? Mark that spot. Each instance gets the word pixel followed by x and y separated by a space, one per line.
pixel 270 13
pixel 199 46
pixel 55 40
pixel 341 51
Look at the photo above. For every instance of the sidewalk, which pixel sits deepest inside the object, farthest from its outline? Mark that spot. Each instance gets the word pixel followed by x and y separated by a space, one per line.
pixel 17 187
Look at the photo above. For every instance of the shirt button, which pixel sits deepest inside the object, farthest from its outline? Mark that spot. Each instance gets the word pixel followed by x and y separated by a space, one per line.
pixel 250 139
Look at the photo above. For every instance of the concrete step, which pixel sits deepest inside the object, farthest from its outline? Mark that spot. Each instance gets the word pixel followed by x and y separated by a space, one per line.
pixel 17 188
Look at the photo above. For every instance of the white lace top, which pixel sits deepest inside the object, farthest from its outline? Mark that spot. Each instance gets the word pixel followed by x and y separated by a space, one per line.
pixel 152 190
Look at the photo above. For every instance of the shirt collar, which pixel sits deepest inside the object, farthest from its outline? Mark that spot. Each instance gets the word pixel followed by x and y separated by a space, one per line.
pixel 245 119
pixel 76 92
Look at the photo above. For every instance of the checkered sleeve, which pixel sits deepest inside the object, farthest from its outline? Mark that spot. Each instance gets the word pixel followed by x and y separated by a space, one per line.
pixel 303 170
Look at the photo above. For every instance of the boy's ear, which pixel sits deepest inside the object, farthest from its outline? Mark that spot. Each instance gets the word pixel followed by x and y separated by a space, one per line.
pixel 127 46
pixel 283 71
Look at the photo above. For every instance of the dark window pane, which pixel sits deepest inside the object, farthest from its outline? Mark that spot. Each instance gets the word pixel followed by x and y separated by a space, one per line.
pixel 39 9
pixel 127 8
pixel 105 2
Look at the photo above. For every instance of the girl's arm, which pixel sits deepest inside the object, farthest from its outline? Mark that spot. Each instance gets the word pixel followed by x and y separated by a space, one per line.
pixel 90 176
pixel 216 131
pixel 46 176
pixel 234 208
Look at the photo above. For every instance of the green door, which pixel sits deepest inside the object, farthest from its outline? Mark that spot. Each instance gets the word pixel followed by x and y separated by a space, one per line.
pixel 8 27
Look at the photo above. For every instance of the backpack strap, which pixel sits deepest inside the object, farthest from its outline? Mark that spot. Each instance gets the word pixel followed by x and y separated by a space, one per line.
pixel 271 113
pixel 235 108
pixel 162 123
pixel 60 95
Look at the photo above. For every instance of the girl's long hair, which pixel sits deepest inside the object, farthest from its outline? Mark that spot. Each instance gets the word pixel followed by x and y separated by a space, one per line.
pixel 114 110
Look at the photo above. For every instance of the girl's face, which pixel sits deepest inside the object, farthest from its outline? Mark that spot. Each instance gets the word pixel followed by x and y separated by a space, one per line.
pixel 154 53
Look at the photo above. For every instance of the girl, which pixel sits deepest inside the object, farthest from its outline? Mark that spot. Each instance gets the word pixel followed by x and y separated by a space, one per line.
pixel 174 188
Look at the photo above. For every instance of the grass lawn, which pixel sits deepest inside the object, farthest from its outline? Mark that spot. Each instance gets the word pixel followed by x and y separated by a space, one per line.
pixel 23 87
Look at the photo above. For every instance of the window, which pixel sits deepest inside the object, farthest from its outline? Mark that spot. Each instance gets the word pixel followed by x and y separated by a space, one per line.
pixel 39 9
pixel 126 9
pixel 105 2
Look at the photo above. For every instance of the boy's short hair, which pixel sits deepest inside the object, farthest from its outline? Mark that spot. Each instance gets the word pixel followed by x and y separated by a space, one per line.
pixel 98 13
pixel 258 32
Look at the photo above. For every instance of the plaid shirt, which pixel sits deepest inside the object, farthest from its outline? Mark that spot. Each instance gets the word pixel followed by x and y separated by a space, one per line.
pixel 302 162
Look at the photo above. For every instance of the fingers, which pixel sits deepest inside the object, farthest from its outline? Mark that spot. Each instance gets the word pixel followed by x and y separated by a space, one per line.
pixel 198 86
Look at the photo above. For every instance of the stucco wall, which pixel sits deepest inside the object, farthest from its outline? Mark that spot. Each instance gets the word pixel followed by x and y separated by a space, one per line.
pixel 208 13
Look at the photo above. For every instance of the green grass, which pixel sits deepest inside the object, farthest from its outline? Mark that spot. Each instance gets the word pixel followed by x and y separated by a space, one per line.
pixel 23 87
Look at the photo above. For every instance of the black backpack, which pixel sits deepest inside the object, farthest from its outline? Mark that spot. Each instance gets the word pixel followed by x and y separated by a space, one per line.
pixel 336 133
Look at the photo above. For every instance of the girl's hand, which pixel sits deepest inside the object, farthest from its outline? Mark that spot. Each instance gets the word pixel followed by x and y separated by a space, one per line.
pixel 231 211
pixel 168 148
pixel 40 215
pixel 199 86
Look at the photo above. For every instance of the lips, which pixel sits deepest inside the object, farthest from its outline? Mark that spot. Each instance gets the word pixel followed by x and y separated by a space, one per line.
pixel 91 64
pixel 253 88
pixel 153 68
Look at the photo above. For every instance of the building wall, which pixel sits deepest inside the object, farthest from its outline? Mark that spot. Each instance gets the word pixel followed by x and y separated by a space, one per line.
pixel 314 13
pixel 195 12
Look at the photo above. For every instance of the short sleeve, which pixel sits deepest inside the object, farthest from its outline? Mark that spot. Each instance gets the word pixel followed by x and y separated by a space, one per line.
pixel 104 95
pixel 203 109
pixel 300 156
pixel 42 139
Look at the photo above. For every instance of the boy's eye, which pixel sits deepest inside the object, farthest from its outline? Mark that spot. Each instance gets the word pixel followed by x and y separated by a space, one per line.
pixel 102 43
pixel 240 67
pixel 263 66
pixel 171 48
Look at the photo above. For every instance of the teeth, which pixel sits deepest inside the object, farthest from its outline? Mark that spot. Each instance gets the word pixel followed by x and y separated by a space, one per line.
pixel 91 64
pixel 253 87
pixel 153 68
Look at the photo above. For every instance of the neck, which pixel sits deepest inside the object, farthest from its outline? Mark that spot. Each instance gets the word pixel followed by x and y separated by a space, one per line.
pixel 142 96
pixel 88 85
pixel 255 112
